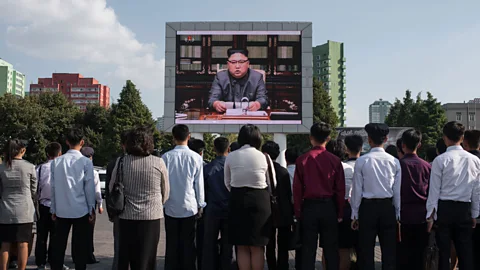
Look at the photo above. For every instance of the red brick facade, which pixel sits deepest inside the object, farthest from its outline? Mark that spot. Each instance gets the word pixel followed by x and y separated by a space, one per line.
pixel 78 90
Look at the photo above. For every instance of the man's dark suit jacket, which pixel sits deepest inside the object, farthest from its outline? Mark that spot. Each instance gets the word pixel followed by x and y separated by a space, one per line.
pixel 284 193
pixel 254 89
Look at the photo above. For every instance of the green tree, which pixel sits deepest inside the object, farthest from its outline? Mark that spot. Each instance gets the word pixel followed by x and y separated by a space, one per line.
pixel 23 119
pixel 322 112
pixel 127 113
pixel 95 124
pixel 60 115
pixel 209 153
pixel 426 115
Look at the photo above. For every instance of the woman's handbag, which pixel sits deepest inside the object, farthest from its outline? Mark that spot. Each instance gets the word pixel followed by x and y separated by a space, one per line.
pixel 273 195
pixel 116 198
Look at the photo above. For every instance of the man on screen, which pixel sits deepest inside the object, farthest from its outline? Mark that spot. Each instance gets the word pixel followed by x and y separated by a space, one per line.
pixel 239 82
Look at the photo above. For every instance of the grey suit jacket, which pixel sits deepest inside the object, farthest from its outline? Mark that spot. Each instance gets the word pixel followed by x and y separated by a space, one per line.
pixel 18 191
pixel 254 89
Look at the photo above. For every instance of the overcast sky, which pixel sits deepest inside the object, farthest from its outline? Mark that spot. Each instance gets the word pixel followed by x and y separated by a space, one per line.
pixel 390 47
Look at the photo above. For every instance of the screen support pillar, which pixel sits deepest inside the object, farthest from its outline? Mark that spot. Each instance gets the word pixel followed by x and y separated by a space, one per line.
pixel 281 139
pixel 197 135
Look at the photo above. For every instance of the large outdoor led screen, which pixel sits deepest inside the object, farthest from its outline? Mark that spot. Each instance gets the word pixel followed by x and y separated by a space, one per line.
pixel 238 77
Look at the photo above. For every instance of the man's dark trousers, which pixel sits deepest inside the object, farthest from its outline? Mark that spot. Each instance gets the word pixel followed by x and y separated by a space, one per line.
pixel 200 230
pixel 79 242
pixel 454 222
pixel 319 216
pixel 45 228
pixel 180 243
pixel 377 217
pixel 412 247
pixel 280 261
pixel 211 258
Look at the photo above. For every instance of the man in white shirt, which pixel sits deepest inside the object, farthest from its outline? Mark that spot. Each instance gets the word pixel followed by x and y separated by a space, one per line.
pixel 185 203
pixel 376 200
pixel 73 201
pixel 354 144
pixel 88 152
pixel 453 198
pixel 45 225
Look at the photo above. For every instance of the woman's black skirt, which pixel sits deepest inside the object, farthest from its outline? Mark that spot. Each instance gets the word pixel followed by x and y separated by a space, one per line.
pixel 250 221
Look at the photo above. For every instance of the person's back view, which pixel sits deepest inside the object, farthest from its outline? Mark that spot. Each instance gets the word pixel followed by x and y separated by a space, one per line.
pixel 186 200
pixel 73 201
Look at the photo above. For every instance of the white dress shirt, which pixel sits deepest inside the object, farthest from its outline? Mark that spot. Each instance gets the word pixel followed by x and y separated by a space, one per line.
pixel 73 185
pixel 98 189
pixel 44 188
pixel 377 175
pixel 455 176
pixel 185 174
pixel 348 171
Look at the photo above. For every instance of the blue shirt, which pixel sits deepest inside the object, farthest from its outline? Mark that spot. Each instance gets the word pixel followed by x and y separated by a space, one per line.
pixel 73 186
pixel 218 195
pixel 185 173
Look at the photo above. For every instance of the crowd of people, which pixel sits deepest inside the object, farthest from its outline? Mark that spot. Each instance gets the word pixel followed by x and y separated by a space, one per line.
pixel 244 207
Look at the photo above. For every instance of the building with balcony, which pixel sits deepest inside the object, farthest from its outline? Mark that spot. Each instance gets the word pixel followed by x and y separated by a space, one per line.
pixel 378 111
pixel 330 69
pixel 465 113
pixel 11 81
pixel 78 90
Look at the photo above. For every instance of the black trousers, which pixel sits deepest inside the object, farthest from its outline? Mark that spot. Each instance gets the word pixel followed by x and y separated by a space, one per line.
pixel 476 246
pixel 199 233
pixel 454 222
pixel 138 242
pixel 180 243
pixel 91 236
pixel 377 217
pixel 278 261
pixel 116 236
pixel 45 232
pixel 319 217
pixel 212 258
pixel 412 247
pixel 79 242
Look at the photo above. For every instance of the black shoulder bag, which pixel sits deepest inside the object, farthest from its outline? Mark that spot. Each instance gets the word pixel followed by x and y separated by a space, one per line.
pixel 116 198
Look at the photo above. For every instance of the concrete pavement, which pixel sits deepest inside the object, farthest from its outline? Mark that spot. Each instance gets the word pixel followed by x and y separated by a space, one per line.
pixel 104 249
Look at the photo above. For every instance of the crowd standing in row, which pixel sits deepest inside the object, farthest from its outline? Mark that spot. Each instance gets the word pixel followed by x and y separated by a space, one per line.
pixel 243 206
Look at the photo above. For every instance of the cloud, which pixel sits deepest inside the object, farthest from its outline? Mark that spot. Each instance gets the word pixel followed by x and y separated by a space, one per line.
pixel 87 31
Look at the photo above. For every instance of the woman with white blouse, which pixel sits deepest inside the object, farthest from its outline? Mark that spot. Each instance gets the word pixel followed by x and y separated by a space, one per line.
pixel 250 215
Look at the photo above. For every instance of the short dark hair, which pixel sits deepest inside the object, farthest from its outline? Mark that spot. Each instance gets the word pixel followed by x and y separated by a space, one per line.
pixel 399 145
pixel 140 142
pixel 251 135
pixel 53 149
pixel 234 146
pixel 221 145
pixel 454 131
pixel 392 150
pixel 180 132
pixel 472 138
pixel 74 136
pixel 124 137
pixel 411 138
pixel 440 146
pixel 272 149
pixel 232 51
pixel 320 132
pixel 291 155
pixel 431 153
pixel 196 145
pixel 337 147
pixel 354 143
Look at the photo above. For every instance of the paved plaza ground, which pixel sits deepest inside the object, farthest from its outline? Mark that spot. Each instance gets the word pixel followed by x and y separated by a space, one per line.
pixel 104 249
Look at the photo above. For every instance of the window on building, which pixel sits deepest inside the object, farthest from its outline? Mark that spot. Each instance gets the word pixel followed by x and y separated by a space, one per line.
pixel 459 116
pixel 471 116
pixel 318 57
pixel 471 127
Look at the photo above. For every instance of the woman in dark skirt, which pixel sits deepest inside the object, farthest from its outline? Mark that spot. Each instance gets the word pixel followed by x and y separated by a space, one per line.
pixel 250 219
pixel 18 187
